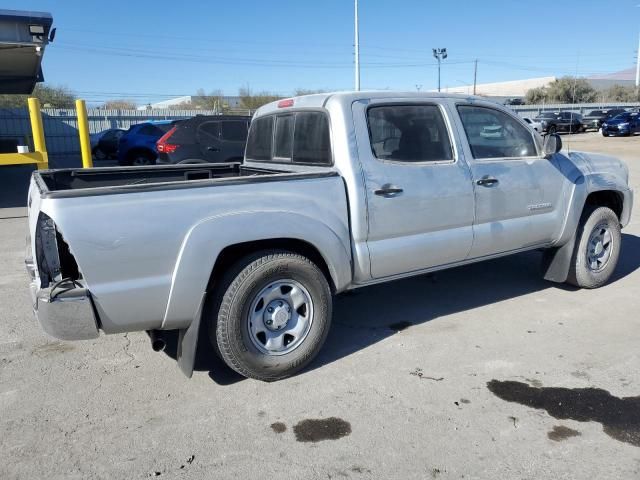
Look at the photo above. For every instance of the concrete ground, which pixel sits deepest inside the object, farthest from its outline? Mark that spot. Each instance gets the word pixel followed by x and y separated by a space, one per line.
pixel 480 372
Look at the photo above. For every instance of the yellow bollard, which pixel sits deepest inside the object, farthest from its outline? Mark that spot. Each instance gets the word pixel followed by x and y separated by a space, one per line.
pixel 39 144
pixel 83 131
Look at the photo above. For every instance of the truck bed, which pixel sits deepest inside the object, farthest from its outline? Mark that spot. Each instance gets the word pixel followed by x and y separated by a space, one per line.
pixel 75 182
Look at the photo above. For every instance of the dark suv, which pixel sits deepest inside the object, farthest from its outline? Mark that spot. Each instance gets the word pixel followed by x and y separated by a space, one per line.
pixel 205 138
pixel 553 122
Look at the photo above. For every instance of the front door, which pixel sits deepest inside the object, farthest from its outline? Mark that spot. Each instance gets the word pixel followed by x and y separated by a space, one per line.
pixel 420 200
pixel 518 193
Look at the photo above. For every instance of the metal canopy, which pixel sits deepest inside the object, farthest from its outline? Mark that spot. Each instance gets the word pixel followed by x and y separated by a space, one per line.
pixel 23 38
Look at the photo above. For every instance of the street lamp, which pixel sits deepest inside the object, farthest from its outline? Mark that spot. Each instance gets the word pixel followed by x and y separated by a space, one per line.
pixel 440 54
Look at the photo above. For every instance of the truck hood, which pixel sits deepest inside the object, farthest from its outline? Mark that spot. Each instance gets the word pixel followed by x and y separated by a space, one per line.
pixel 599 165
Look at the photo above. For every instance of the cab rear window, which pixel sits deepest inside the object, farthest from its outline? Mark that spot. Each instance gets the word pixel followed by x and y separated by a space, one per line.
pixel 298 137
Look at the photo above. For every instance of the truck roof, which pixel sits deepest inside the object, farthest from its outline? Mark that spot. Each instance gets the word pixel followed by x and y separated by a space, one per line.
pixel 319 100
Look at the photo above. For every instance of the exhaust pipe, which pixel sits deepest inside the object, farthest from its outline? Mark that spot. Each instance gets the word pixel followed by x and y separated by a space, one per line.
pixel 157 342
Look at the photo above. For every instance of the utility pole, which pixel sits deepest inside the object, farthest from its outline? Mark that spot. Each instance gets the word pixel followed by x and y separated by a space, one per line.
pixel 638 70
pixel 440 54
pixel 475 75
pixel 357 47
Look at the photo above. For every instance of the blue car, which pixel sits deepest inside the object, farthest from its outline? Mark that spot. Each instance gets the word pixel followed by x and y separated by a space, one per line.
pixel 624 124
pixel 138 145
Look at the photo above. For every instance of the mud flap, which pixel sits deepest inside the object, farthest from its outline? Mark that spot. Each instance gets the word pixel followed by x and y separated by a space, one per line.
pixel 556 262
pixel 188 344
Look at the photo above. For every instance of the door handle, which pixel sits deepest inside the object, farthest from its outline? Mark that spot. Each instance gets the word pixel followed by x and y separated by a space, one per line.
pixel 213 149
pixel 388 191
pixel 487 181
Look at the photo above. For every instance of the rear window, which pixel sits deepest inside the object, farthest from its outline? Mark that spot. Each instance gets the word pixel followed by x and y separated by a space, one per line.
pixel 300 137
pixel 260 139
pixel 234 131
pixel 595 113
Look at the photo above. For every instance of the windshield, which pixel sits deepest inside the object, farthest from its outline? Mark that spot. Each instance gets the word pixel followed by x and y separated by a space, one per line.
pixel 595 113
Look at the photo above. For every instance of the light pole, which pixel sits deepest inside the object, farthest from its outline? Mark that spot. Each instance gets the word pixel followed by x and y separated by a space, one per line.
pixel 357 46
pixel 440 54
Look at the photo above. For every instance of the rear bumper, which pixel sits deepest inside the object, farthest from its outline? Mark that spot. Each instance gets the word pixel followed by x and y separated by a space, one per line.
pixel 65 312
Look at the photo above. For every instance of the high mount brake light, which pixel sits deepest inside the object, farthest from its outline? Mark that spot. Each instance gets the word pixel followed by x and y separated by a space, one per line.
pixel 285 103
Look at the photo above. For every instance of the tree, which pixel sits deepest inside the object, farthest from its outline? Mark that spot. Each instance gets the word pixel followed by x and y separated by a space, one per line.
pixel 253 101
pixel 620 93
pixel 119 104
pixel 564 90
pixel 49 96
pixel 537 95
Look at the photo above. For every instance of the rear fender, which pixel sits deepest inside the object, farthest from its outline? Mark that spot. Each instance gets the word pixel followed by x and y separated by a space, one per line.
pixel 207 239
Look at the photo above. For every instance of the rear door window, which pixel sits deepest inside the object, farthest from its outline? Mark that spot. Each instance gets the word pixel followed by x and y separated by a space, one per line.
pixel 233 131
pixel 409 133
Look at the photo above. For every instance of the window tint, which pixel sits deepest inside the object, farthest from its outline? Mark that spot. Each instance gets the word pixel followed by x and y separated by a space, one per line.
pixel 210 128
pixel 234 131
pixel 311 143
pixel 301 137
pixel 284 136
pixel 495 134
pixel 260 139
pixel 409 133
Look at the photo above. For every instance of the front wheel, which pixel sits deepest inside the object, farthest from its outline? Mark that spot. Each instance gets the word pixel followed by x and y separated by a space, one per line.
pixel 552 129
pixel 597 248
pixel 273 315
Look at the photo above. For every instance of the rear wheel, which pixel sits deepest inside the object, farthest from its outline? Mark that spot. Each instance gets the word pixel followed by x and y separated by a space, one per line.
pixel 597 248
pixel 604 133
pixel 552 129
pixel 273 315
pixel 142 158
pixel 98 154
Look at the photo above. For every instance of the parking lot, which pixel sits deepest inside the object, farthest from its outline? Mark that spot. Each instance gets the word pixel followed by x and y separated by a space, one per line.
pixel 480 372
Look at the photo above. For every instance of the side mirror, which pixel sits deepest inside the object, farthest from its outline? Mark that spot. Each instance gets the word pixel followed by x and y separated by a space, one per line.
pixel 552 144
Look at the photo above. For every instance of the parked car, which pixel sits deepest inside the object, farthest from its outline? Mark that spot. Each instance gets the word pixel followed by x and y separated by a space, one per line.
pixel 205 138
pixel 251 254
pixel 137 145
pixel 595 118
pixel 553 122
pixel 624 124
pixel 104 144
pixel 537 126
pixel 514 101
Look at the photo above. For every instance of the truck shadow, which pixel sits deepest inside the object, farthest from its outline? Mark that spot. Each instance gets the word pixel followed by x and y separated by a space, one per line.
pixel 369 315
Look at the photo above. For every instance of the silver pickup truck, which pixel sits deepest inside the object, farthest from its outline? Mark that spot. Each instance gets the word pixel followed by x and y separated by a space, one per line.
pixel 337 191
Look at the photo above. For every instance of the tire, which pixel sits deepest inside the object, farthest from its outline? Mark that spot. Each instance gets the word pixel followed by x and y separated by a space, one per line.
pixel 255 286
pixel 604 134
pixel 592 264
pixel 141 159
pixel 552 129
pixel 98 154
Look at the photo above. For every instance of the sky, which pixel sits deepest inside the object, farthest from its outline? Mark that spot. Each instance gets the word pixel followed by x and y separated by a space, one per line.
pixel 153 50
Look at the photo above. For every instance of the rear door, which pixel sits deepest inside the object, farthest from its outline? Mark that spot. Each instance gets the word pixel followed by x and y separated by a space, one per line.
pixel 419 193
pixel 208 140
pixel 233 138
pixel 518 193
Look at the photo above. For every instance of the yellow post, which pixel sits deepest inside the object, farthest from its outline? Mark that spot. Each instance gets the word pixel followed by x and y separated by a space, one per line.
pixel 83 131
pixel 38 132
